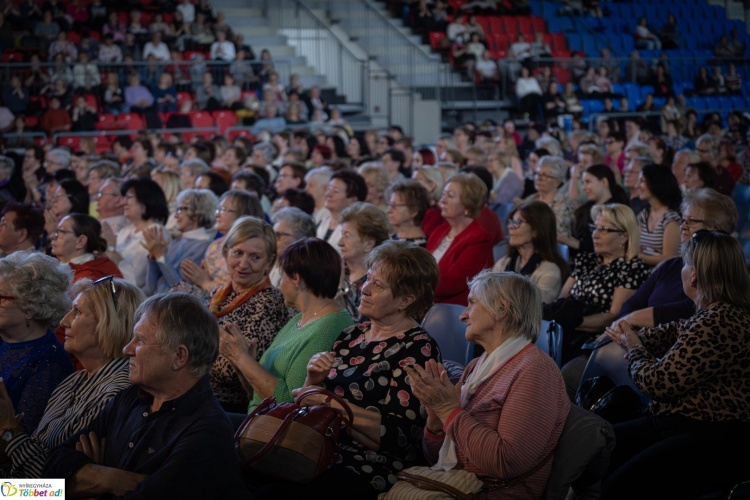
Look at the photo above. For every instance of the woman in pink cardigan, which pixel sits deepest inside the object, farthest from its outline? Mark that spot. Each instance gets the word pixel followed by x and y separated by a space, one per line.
pixel 460 246
pixel 509 413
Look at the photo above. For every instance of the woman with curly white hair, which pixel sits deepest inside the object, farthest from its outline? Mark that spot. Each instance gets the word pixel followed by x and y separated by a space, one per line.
pixel 33 299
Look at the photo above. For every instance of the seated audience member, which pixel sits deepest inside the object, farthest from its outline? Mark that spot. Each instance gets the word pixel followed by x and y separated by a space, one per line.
pixel 21 226
pixel 698 416
pixel 487 68
pixel 345 188
pixel 599 283
pixel 533 250
pixel 549 182
pixel 408 202
pixel 363 227
pixel 698 175
pixel 311 270
pixel 528 93
pixel 32 361
pixel 98 326
pixel 512 393
pixel 248 301
pixel 644 38
pixel 289 224
pixel 187 435
pixel 661 298
pixel 70 197
pixel 377 180
pixel 195 221
pixel 430 177
pixel 138 98
pixel 400 287
pixel 78 242
pixel 157 48
pixel 212 272
pixel 659 222
pixel 460 246
pixel 222 49
pixel 507 186
pixel 55 119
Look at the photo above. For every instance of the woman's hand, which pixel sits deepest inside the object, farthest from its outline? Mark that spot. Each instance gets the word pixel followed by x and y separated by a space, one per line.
pixel 312 399
pixel 319 367
pixel 233 345
pixel 625 335
pixel 433 388
pixel 50 221
pixel 196 274
pixel 155 242
pixel 8 418
pixel 108 234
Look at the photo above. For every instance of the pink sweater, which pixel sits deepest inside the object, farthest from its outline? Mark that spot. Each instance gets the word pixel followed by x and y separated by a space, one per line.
pixel 510 425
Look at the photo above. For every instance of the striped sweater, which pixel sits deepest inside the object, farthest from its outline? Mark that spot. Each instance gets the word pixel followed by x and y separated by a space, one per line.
pixel 510 425
pixel 73 405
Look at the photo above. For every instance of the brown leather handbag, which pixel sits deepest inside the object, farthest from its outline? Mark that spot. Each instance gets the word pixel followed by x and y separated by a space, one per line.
pixel 292 442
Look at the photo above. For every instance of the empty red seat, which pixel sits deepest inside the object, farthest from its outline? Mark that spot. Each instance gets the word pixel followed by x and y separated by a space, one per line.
pixel 182 97
pixel 74 37
pixel 92 101
pixel 12 56
pixel 133 121
pixel 435 39
pixel 501 42
pixel 538 24
pixel 484 22
pixel 71 141
pixel 496 24
pixel 224 120
pixel 524 24
pixel 201 119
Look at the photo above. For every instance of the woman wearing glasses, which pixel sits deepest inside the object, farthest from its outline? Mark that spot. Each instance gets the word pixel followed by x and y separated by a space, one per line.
pixel 661 298
pixel 532 249
pixel 195 214
pixel 97 327
pixel 78 242
pixel 600 281
pixel 144 206
pixel 697 373
pixel 408 202
pixel 549 182
pixel 32 361
pixel 212 272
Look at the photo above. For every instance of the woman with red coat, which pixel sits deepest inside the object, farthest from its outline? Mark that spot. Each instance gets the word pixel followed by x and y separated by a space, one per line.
pixel 78 242
pixel 460 246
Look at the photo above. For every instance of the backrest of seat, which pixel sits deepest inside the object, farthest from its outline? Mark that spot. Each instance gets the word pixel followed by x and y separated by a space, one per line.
pixel 443 324
pixel 608 359
pixel 581 457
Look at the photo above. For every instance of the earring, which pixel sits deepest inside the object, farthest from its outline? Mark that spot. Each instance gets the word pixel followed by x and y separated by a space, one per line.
pixel 466 213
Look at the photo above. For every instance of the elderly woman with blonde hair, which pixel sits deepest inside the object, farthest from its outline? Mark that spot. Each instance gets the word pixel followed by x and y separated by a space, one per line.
pixel 506 184
pixel 505 420
pixel 170 183
pixel 97 328
pixel 377 180
pixel 460 246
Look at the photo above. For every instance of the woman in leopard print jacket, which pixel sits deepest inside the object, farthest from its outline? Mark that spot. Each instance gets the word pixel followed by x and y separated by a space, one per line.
pixel 697 373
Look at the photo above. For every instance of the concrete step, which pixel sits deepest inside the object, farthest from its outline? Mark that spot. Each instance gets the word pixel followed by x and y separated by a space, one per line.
pixel 265 40
pixel 236 14
pixel 255 30
pixel 222 4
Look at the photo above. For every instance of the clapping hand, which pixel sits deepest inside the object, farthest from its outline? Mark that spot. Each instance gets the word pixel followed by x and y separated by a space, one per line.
pixel 232 344
pixel 195 274
pixel 433 388
pixel 623 334
pixel 319 367
pixel 155 242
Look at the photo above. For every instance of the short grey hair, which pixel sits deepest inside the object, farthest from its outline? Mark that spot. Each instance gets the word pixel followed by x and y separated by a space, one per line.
pixel 60 156
pixel 201 203
pixel 550 144
pixel 267 149
pixel 555 162
pixel 7 166
pixel 301 224
pixel 710 142
pixel 195 166
pixel 514 293
pixel 719 210
pixel 247 203
pixel 181 319
pixel 320 174
pixel 107 169
pixel 693 157
pixel 32 275
pixel 641 149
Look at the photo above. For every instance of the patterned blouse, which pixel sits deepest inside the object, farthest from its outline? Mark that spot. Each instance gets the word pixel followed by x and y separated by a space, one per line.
pixel 261 317
pixel 652 242
pixel 371 375
pixel 595 282
pixel 714 385
pixel 216 265
pixel 563 209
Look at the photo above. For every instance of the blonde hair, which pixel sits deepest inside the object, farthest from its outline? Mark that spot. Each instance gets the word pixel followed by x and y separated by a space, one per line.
pixel 248 227
pixel 370 221
pixel 623 219
pixel 115 315
pixel 473 192
pixel 171 182
pixel 433 175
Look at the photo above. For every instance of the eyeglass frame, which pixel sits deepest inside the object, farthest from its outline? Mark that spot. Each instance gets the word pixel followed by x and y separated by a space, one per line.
pixel 514 223
pixel 112 289
pixel 594 228
pixel 54 234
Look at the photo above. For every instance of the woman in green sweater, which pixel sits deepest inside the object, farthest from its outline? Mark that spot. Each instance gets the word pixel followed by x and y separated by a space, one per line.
pixel 311 270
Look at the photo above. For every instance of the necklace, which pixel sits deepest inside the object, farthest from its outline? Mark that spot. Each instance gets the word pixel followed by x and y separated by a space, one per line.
pixel 300 323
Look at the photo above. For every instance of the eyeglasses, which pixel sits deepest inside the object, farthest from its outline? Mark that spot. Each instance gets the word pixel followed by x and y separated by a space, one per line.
pixel 690 221
pixel 603 229
pixel 630 171
pixel 6 298
pixel 514 223
pixel 102 193
pixel 222 210
pixel 705 151
pixel 545 177
pixel 57 232
pixel 112 287
pixel 182 209
pixel 280 235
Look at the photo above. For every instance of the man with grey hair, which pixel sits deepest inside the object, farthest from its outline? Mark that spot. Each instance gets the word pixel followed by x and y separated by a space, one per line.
pixel 289 224
pixel 98 173
pixel 630 174
pixel 191 170
pixel 56 159
pixel 682 159
pixel 110 208
pixel 550 144
pixel 638 149
pixel 316 182
pixel 263 154
pixel 167 425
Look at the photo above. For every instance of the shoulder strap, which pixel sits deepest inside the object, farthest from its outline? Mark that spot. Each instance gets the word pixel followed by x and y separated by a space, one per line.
pixel 426 483
pixel 507 483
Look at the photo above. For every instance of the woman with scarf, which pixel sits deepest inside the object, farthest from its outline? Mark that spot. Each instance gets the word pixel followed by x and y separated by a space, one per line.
pixel 505 421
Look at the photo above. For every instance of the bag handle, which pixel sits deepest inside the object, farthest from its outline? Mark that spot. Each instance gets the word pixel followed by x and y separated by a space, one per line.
pixel 339 400
pixel 492 484
pixel 272 441
pixel 426 483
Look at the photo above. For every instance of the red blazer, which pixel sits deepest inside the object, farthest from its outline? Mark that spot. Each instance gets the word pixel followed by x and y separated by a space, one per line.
pixel 488 221
pixel 470 252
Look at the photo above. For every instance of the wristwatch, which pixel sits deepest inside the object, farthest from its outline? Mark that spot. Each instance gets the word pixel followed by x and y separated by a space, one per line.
pixel 7 435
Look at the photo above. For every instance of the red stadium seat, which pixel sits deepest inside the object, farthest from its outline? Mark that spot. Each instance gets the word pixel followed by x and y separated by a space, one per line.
pixel 182 97
pixel 32 121
pixel 538 24
pixel 501 41
pixel 435 38
pixel 92 101
pixel 12 56
pixel 484 21
pixel 233 134
pixel 133 121
pixel 224 120
pixel 103 143
pixel 201 119
pixel 71 142
pixel 496 24
pixel 74 37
